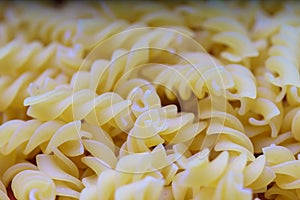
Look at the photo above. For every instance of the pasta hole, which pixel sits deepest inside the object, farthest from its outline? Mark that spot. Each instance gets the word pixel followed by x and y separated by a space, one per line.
pixel 276 74
pixel 233 90
pixel 167 101
pixel 259 117
pixel 10 193
pixel 217 49
pixel 257 154
pixel 32 160
pixel 235 104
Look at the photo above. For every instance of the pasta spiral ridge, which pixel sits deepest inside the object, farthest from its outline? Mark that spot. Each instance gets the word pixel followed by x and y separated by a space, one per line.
pixel 255 175
pixel 127 191
pixel 284 61
pixel 14 89
pixel 195 79
pixel 3 192
pixel 63 172
pixel 162 125
pixel 126 176
pixel 149 100
pixel 232 34
pixel 41 23
pixel 29 135
pixel 284 164
pixel 36 57
pixel 27 184
pixel 62 102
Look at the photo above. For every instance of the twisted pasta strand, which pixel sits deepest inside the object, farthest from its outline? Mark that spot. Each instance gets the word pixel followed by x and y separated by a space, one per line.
pixel 27 185
pixel 284 62
pixel 84 104
pixel 14 59
pixel 28 135
pixel 232 34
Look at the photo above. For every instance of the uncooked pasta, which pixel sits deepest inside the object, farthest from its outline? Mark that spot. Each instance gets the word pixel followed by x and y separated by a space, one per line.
pixel 150 100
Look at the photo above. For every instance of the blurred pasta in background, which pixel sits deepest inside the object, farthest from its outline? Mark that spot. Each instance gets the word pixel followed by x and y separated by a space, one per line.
pixel 150 100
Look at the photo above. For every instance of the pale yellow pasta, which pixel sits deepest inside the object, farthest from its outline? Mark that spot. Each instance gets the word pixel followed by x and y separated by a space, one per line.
pixel 233 35
pixel 15 60
pixel 102 158
pixel 91 31
pixel 148 188
pixel 192 79
pixel 3 192
pixel 162 125
pixel 11 172
pixel 33 135
pixel 14 88
pixel 150 100
pixel 265 26
pixel 284 52
pixel 64 104
pixel 284 164
pixel 52 167
pixel 231 140
pixel 38 26
pixel 31 184
pixel 244 84
pixel 126 176
pixel 255 175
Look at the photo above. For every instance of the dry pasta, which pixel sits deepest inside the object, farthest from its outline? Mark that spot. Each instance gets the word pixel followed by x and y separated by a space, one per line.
pixel 20 56
pixel 150 100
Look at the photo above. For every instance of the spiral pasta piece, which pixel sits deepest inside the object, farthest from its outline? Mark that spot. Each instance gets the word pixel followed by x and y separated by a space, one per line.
pixel 291 123
pixel 231 140
pixel 285 139
pixel 194 79
pixel 14 89
pixel 255 175
pixel 141 189
pixel 264 113
pixel 56 167
pixel 232 34
pixel 102 158
pixel 35 19
pixel 91 31
pixel 287 176
pixel 142 94
pixel 265 26
pixel 27 185
pixel 284 61
pixel 84 104
pixel 162 125
pixel 244 84
pixel 282 161
pixel 28 58
pixel 28 135
pixel 112 183
pixel 11 172
pixel 38 57
pixel 149 100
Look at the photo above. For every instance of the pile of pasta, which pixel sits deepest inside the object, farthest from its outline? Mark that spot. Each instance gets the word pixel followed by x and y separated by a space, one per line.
pixel 137 100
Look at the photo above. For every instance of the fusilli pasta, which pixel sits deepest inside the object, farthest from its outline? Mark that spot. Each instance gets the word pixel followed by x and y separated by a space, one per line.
pixel 149 100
